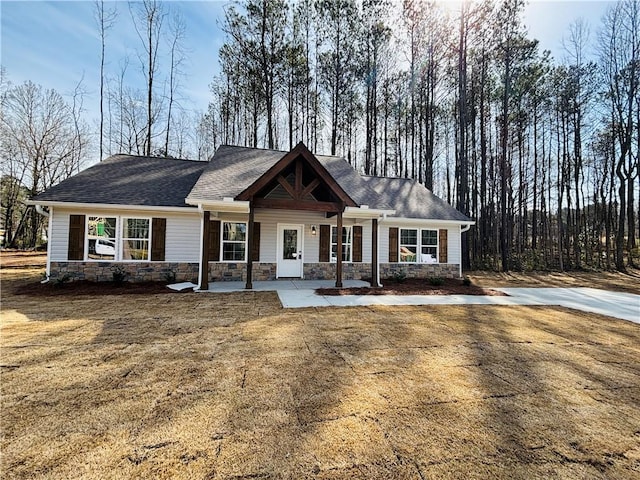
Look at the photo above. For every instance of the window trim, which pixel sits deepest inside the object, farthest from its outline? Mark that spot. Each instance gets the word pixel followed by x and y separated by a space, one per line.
pixel 419 245
pixel 222 242
pixel 119 238
pixel 115 239
pixel 120 250
pixel 436 246
pixel 349 245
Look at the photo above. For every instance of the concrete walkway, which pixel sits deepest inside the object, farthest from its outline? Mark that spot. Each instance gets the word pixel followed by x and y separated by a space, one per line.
pixel 301 294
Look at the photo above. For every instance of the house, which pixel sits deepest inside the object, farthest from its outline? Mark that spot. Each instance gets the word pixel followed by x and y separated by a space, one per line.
pixel 247 214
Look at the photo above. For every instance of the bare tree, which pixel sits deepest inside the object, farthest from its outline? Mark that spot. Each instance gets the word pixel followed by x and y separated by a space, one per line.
pixel 620 63
pixel 148 17
pixel 106 20
pixel 177 29
pixel 42 142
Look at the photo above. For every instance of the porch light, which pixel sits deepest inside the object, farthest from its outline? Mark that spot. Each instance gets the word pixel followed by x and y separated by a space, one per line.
pixel 314 230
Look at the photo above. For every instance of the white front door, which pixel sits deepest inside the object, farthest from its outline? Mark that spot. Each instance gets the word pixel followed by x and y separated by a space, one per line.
pixel 290 251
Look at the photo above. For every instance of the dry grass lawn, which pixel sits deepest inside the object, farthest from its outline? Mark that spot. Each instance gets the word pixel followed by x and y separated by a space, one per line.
pixel 628 282
pixel 190 386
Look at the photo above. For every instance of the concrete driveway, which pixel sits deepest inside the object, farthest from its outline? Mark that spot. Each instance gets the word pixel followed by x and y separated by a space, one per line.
pixel 614 304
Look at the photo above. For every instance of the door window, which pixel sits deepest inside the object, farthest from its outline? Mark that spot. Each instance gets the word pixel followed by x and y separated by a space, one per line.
pixel 290 244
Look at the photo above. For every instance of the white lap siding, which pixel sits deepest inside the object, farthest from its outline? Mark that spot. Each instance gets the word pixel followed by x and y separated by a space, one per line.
pixel 269 220
pixel 182 232
pixel 453 237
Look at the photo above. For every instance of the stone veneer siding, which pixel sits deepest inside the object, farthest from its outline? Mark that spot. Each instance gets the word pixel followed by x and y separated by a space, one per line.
pixel 136 271
pixel 221 272
pixel 420 270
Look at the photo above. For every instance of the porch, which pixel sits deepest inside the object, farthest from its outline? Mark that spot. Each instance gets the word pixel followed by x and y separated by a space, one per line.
pixel 281 285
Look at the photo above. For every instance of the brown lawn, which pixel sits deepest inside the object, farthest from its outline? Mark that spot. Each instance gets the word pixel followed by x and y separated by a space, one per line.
pixel 232 386
pixel 622 282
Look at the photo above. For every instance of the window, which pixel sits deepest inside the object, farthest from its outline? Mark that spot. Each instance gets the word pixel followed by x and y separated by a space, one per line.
pixel 118 238
pixel 346 244
pixel 135 238
pixel 429 252
pixel 408 244
pixel 414 241
pixel 234 241
pixel 101 238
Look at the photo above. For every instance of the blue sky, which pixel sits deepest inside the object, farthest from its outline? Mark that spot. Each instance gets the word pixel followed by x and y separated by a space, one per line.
pixel 55 43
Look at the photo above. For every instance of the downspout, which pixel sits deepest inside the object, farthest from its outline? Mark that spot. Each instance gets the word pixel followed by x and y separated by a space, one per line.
pixel 463 228
pixel 48 215
pixel 384 218
pixel 201 212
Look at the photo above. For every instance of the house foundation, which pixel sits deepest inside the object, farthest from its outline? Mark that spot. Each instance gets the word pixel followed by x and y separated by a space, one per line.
pixel 237 272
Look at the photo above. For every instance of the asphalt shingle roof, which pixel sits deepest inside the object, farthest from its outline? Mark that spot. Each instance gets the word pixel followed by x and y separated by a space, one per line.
pixel 232 169
pixel 129 180
pixel 412 200
pixel 153 181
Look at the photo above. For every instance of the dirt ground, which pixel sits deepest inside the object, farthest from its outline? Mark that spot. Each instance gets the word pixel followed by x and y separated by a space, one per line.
pixel 413 286
pixel 225 386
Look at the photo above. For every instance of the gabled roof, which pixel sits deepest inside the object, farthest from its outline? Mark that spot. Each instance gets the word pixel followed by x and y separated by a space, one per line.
pixel 412 200
pixel 232 169
pixel 164 182
pixel 129 180
pixel 301 156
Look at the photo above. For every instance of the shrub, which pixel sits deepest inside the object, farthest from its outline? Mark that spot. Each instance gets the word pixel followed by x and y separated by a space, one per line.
pixel 170 276
pixel 119 275
pixel 466 281
pixel 436 281
pixel 60 281
pixel 399 276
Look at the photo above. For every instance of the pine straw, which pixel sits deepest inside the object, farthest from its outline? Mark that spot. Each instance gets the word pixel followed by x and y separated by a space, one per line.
pixel 232 386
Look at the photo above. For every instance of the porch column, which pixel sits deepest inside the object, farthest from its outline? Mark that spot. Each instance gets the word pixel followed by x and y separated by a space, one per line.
pixel 374 253
pixel 249 249
pixel 204 259
pixel 339 251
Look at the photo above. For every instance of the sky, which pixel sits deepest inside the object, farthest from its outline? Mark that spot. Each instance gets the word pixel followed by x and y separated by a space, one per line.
pixel 56 43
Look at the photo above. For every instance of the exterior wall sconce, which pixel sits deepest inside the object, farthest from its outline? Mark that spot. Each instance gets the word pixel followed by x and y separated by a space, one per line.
pixel 314 230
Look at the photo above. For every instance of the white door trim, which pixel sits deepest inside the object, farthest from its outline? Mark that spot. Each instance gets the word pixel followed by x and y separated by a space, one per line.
pixel 280 230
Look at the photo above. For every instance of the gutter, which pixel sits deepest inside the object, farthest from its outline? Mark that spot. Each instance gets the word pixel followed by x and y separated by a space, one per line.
pixel 41 210
pixel 228 205
pixel 110 206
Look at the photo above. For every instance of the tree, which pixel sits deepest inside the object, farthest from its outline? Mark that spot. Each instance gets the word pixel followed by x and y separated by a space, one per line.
pixel 258 38
pixel 148 17
pixel 177 29
pixel 338 24
pixel 42 142
pixel 105 20
pixel 620 63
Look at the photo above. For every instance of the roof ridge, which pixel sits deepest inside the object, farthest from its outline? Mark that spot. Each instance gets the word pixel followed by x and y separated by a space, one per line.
pixel 150 157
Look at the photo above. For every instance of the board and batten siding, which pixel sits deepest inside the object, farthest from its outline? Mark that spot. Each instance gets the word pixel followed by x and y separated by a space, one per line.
pixel 453 237
pixel 269 220
pixel 182 232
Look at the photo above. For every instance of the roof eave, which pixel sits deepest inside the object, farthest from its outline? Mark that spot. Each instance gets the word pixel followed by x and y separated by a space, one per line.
pixel 360 212
pixel 408 220
pixel 225 205
pixel 110 206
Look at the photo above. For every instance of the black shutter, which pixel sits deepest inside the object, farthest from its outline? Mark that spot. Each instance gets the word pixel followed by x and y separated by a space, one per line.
pixel 255 247
pixel 442 245
pixel 325 242
pixel 214 241
pixel 76 237
pixel 158 238
pixel 393 244
pixel 357 243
